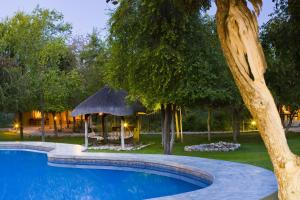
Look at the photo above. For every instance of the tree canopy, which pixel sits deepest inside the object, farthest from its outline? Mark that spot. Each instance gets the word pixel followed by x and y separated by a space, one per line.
pixel 162 55
pixel 37 61
pixel 280 39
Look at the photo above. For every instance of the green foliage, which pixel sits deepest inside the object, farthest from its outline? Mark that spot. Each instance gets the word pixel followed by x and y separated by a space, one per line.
pixel 206 79
pixel 163 54
pixel 17 92
pixel 6 119
pixel 74 87
pixel 280 40
pixel 38 61
pixel 5 79
pixel 54 91
pixel 39 70
pixel 93 57
pixel 146 54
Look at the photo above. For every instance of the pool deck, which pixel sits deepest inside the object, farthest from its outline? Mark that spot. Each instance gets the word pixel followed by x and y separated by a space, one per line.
pixel 231 181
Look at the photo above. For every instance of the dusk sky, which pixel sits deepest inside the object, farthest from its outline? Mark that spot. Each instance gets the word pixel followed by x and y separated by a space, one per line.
pixel 85 15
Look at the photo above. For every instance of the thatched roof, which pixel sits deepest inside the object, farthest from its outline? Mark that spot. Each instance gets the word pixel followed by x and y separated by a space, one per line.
pixel 108 101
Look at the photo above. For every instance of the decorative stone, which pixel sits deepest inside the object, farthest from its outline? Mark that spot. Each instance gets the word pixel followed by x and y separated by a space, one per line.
pixel 219 146
pixel 115 147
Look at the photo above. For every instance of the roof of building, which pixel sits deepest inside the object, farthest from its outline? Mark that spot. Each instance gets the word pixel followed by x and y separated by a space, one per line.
pixel 108 101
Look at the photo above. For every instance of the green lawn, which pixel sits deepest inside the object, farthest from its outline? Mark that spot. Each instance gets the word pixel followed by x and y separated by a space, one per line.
pixel 252 150
pixel 11 136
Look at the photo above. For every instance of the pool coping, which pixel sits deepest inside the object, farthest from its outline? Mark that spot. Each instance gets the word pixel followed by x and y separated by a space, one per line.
pixel 230 180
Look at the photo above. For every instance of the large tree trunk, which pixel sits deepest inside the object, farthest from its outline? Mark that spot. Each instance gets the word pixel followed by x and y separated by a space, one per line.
pixel 162 110
pixel 21 125
pixel 177 125
pixel 43 125
pixel 60 122
pixel 43 118
pixel 172 128
pixel 180 122
pixel 167 123
pixel 67 119
pixel 209 112
pixel 74 125
pixel 235 123
pixel 54 123
pixel 238 32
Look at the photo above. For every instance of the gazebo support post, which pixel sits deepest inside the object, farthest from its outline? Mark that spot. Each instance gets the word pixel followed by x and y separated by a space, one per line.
pixel 86 120
pixel 122 133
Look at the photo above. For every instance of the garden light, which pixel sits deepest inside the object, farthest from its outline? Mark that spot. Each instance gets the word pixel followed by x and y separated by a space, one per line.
pixel 16 125
pixel 253 123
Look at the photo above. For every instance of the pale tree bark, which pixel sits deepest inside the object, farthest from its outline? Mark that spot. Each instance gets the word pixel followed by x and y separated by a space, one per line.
pixel 177 125
pixel 180 122
pixel 238 32
pixel 43 118
pixel 172 128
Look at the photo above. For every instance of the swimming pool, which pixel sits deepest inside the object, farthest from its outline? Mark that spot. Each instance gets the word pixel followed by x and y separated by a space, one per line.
pixel 26 175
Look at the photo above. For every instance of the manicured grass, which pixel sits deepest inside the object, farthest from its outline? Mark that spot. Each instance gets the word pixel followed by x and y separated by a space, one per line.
pixel 11 136
pixel 252 151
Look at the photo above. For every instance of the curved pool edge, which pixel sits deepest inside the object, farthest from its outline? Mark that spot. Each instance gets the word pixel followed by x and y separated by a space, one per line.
pixel 230 180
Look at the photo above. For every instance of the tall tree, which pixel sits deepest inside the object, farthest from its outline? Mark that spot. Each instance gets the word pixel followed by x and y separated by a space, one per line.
pixel 280 40
pixel 49 79
pixel 93 57
pixel 28 40
pixel 14 32
pixel 238 33
pixel 153 56
pixel 206 80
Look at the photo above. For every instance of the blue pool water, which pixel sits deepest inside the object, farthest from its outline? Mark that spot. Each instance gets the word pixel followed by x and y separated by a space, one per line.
pixel 26 175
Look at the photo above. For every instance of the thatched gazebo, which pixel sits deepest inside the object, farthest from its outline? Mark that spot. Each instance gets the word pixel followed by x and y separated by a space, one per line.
pixel 108 101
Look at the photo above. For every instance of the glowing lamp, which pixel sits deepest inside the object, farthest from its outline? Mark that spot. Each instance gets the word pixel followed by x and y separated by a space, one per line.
pixel 16 125
pixel 125 125
pixel 253 123
pixel 141 113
